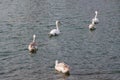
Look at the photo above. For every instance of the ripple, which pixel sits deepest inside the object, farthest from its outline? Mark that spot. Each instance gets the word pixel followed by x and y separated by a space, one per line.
pixel 91 55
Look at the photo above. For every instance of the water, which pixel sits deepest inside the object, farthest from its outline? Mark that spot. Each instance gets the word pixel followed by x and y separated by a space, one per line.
pixel 91 55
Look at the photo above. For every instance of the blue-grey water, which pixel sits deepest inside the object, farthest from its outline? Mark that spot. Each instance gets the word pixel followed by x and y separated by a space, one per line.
pixel 91 55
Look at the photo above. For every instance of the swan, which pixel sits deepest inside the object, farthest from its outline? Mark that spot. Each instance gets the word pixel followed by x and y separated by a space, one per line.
pixel 95 19
pixel 55 32
pixel 62 67
pixel 92 26
pixel 33 46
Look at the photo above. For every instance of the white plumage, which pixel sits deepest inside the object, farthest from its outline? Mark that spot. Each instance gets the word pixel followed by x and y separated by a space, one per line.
pixel 62 67
pixel 55 32
pixel 92 26
pixel 33 46
pixel 95 19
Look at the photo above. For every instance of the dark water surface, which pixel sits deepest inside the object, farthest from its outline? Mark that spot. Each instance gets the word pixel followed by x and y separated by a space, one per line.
pixel 91 55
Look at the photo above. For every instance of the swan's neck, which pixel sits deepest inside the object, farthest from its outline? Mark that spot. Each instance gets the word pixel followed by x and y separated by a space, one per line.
pixel 95 15
pixel 33 39
pixel 57 26
pixel 56 62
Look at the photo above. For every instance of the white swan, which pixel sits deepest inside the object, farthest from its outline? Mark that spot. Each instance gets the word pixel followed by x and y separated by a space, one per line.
pixel 92 26
pixel 95 19
pixel 62 67
pixel 33 46
pixel 55 32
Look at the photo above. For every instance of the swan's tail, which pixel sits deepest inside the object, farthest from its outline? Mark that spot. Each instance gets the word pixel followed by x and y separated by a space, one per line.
pixel 92 29
pixel 50 35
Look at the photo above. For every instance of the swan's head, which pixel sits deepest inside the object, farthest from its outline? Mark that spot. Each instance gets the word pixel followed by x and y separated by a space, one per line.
pixel 58 22
pixel 34 36
pixel 96 12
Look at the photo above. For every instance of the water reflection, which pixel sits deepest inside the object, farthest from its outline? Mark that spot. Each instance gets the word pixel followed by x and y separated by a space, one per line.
pixel 62 76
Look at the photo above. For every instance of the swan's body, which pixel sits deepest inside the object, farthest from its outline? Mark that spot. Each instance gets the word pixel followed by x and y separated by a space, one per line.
pixel 92 26
pixel 95 19
pixel 33 46
pixel 62 67
pixel 55 32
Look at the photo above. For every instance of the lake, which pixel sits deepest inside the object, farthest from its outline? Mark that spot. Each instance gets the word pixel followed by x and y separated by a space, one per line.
pixel 91 55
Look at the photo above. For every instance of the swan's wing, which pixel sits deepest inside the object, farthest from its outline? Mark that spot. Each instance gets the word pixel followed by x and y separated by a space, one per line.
pixel 61 64
pixel 53 31
pixel 95 20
